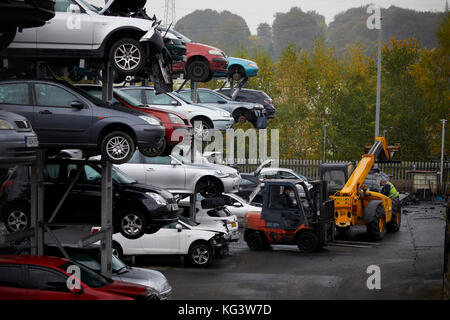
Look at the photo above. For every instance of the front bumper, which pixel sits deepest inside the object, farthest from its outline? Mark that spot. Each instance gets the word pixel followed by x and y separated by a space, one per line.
pixel 231 183
pixel 220 246
pixel 223 124
pixel 251 71
pixel 13 147
pixel 149 136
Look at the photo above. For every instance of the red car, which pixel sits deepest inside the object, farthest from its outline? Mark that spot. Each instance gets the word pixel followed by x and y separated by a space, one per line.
pixel 176 124
pixel 202 60
pixel 25 277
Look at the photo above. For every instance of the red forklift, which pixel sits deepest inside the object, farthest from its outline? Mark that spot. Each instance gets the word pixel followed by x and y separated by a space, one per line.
pixel 291 215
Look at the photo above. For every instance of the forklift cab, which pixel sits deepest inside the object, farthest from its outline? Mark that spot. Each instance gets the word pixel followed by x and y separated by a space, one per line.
pixel 284 208
pixel 336 175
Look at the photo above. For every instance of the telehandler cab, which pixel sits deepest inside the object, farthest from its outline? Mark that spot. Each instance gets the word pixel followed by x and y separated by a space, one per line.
pixel 291 215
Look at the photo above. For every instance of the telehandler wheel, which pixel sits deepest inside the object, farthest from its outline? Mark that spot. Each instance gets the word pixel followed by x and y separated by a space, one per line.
pixel 256 241
pixel 307 241
pixel 376 229
pixel 396 220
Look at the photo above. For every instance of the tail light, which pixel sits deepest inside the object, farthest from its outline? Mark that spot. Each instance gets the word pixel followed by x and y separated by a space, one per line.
pixel 95 230
pixel 6 184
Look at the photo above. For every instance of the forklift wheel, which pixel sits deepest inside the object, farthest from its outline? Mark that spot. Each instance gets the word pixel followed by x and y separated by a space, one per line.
pixel 256 241
pixel 307 241
pixel 376 229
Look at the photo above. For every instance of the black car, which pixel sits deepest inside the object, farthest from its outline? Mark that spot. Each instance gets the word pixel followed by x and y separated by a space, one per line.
pixel 137 208
pixel 21 14
pixel 255 96
pixel 17 139
pixel 249 182
pixel 66 117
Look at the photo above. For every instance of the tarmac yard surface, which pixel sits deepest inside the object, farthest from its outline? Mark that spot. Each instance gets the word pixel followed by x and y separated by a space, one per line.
pixel 410 263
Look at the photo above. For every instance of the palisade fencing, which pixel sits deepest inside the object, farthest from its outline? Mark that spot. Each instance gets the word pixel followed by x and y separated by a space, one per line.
pixel 398 172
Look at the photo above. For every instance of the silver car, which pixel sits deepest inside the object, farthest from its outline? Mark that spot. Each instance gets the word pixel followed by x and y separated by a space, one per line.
pixel 178 175
pixel 202 118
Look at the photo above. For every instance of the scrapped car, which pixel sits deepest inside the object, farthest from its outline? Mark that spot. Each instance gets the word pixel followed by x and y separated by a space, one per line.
pixel 137 208
pixel 202 60
pixel 241 111
pixel 255 96
pixel 80 30
pixel 240 68
pixel 47 278
pixel 91 258
pixel 18 141
pixel 21 14
pixel 178 128
pixel 249 182
pixel 211 210
pixel 238 206
pixel 203 118
pixel 178 175
pixel 278 173
pixel 185 237
pixel 66 117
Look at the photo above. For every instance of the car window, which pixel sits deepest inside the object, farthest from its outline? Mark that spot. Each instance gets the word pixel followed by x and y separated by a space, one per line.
pixel 14 93
pixel 11 276
pixel 287 175
pixel 86 260
pixel 245 182
pixel 185 95
pixel 53 96
pixel 88 276
pixel 92 175
pixel 48 280
pixel 158 99
pixel 334 177
pixel 135 94
pixel 157 160
pixel 268 175
pixel 98 93
pixel 209 97
pixel 51 172
pixel 62 5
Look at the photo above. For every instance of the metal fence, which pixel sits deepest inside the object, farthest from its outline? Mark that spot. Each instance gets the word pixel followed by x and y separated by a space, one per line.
pixel 398 172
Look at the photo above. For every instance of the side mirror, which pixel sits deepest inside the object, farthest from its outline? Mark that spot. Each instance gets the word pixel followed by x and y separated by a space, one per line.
pixel 237 205
pixel 73 8
pixel 174 103
pixel 77 104
pixel 179 227
pixel 222 102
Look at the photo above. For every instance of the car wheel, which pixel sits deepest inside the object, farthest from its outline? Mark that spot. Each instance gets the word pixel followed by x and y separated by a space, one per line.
pixel 132 224
pixel 198 70
pixel 117 250
pixel 202 129
pixel 236 73
pixel 307 241
pixel 256 241
pixel 17 218
pixel 127 56
pixel 208 188
pixel 118 147
pixel 155 151
pixel 200 255
pixel 6 37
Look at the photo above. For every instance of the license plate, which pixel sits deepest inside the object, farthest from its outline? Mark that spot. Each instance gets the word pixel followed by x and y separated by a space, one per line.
pixel 31 142
pixel 233 224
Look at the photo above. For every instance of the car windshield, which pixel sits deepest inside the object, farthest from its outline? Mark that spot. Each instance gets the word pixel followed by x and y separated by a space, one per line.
pixel 85 94
pixel 128 99
pixel 121 177
pixel 223 96
pixel 88 276
pixel 178 35
pixel 92 261
pixel 187 221
pixel 185 96
pixel 91 7
pixel 301 176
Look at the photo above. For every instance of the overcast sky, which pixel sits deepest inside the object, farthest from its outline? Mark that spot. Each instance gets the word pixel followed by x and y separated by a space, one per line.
pixel 257 11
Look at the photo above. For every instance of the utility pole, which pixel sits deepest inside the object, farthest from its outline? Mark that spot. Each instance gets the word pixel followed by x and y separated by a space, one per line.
pixel 443 122
pixel 377 112
pixel 169 12
pixel 324 142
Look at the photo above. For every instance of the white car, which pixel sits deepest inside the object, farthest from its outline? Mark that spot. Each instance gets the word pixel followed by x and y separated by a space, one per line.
pixel 278 173
pixel 238 207
pixel 185 237
pixel 178 175
pixel 81 30
pixel 207 216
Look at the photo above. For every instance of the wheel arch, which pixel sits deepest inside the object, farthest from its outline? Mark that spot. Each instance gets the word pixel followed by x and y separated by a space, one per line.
pixel 370 210
pixel 120 33
pixel 116 127
pixel 213 178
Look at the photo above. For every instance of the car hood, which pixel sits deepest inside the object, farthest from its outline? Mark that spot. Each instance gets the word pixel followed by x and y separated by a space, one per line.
pixel 129 289
pixel 262 165
pixel 146 277
pixel 233 60
pixel 123 6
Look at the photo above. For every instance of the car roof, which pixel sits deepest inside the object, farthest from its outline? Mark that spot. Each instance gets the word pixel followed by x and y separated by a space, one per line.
pixel 35 260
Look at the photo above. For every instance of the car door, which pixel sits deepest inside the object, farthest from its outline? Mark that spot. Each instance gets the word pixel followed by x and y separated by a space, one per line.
pixel 15 97
pixel 12 282
pixel 67 30
pixel 162 172
pixel 56 121
pixel 167 240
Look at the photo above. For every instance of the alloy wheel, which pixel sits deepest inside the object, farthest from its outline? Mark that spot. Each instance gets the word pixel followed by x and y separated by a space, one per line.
pixel 200 256
pixel 131 224
pixel 17 221
pixel 127 56
pixel 118 148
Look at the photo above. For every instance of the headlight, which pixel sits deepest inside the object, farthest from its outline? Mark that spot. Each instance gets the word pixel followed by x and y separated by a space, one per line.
pixel 151 294
pixel 251 64
pixel 175 119
pixel 151 120
pixel 159 200
pixel 215 52
pixel 5 125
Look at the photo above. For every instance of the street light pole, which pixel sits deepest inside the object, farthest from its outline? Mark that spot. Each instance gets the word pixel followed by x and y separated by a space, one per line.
pixel 443 122
pixel 377 112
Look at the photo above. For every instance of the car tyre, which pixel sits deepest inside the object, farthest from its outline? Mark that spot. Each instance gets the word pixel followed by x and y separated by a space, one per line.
pixel 17 218
pixel 132 224
pixel 156 151
pixel 236 73
pixel 117 147
pixel 6 37
pixel 200 254
pixel 198 71
pixel 127 56
pixel 307 241
pixel 256 241
pixel 117 250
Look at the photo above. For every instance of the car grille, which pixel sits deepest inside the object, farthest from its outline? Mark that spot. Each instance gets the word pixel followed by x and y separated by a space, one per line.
pixel 22 124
